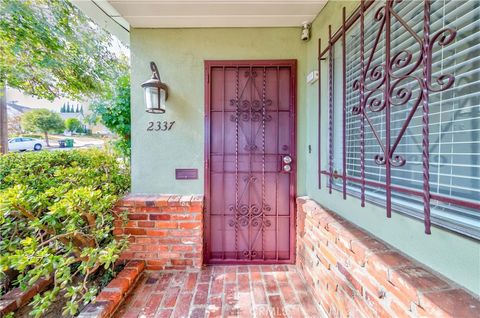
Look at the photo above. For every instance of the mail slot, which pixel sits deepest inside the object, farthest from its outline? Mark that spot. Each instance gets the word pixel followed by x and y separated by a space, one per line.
pixel 186 174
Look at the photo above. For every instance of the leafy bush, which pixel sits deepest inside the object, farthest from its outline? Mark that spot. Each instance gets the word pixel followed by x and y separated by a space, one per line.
pixel 56 220
pixel 73 125
pixel 113 110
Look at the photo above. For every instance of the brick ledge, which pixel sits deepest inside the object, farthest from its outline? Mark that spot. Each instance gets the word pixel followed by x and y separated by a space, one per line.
pixel 140 200
pixel 164 230
pixel 113 295
pixel 334 253
pixel 17 298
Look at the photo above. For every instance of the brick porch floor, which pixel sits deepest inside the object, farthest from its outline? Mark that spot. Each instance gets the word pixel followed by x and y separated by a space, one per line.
pixel 221 291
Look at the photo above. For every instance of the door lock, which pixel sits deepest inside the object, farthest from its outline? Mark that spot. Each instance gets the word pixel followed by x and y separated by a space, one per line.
pixel 286 163
pixel 287 160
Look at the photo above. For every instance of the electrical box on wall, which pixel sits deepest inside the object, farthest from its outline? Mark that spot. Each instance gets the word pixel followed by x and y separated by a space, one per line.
pixel 312 77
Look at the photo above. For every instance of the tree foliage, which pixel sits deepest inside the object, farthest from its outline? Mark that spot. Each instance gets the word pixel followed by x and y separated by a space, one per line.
pixel 42 120
pixel 56 220
pixel 73 125
pixel 49 48
pixel 113 110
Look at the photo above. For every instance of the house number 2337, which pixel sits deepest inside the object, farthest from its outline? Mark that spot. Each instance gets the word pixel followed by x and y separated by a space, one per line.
pixel 160 125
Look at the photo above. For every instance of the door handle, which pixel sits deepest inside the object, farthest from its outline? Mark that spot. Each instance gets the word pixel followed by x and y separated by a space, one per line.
pixel 286 163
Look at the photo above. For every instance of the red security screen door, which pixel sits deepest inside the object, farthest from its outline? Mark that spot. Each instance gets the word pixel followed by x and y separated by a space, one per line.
pixel 250 161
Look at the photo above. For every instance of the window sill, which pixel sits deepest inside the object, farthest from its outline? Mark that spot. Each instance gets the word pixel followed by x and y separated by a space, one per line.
pixel 409 211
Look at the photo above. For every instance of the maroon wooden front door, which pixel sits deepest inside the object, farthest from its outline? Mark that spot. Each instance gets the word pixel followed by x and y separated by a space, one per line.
pixel 250 161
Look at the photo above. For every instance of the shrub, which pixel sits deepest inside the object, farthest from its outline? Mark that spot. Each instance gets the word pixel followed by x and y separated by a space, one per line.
pixel 56 220
pixel 113 110
pixel 73 125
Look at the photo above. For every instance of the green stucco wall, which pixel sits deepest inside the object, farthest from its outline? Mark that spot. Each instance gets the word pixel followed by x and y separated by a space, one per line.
pixel 180 53
pixel 452 255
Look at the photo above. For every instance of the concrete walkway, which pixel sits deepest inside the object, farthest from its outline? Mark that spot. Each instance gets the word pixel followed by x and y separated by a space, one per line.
pixel 221 291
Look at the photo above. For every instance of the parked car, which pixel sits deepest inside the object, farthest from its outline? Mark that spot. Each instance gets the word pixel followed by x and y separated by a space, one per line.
pixel 25 143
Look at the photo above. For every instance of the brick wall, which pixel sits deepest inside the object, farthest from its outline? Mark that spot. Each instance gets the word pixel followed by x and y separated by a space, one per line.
pixel 166 230
pixel 353 274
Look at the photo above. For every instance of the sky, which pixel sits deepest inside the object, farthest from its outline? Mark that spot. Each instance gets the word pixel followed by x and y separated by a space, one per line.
pixel 33 102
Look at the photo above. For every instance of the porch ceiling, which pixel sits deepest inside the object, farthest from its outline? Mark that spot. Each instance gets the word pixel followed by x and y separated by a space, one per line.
pixel 216 13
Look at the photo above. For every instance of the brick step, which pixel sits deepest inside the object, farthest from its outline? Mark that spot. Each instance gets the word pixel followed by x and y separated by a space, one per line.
pixel 112 296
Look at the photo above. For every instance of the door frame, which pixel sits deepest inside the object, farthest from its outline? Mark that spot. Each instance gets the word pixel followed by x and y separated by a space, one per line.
pixel 208 65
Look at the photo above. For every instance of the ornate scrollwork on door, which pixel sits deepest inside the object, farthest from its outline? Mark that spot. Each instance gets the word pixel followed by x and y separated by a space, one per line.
pixel 251 111
pixel 252 215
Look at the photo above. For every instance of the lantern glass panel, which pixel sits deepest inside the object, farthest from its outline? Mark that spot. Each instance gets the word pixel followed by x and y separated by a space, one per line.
pixel 163 98
pixel 151 98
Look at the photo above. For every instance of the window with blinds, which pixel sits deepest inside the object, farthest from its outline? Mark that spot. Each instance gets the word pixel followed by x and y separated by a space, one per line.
pixel 454 114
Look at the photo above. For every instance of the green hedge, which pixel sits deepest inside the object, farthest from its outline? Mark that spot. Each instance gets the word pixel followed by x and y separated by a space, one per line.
pixel 56 220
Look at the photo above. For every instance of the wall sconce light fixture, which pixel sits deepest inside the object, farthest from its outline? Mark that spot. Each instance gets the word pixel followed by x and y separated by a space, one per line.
pixel 156 92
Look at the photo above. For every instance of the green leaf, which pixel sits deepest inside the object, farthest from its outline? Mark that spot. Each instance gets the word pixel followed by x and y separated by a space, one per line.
pixel 56 219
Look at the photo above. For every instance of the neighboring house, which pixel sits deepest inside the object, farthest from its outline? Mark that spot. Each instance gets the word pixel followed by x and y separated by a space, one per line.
pixel 366 178
pixel 14 109
pixel 78 112
pixel 99 129
pixel 14 115
pixel 78 116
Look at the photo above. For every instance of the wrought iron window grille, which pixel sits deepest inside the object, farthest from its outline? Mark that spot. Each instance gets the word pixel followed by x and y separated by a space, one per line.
pixel 381 87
